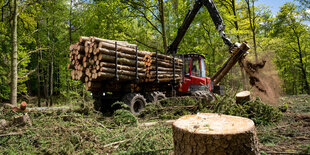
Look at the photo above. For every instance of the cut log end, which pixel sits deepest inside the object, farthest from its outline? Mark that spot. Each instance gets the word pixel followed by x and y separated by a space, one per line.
pixel 209 133
pixel 243 96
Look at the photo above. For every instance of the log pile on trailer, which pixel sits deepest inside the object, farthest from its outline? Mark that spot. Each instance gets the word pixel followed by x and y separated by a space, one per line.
pixel 95 60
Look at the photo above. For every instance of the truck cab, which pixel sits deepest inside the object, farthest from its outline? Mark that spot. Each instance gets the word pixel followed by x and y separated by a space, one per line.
pixel 195 78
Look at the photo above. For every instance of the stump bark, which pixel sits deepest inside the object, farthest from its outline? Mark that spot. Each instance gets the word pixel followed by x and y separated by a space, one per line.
pixel 209 133
pixel 242 97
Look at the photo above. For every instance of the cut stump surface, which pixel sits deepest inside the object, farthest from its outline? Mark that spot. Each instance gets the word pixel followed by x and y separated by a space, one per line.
pixel 209 133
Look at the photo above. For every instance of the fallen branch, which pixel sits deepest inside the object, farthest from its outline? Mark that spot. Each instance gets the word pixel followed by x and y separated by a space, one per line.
pixel 11 134
pixel 116 143
pixel 147 124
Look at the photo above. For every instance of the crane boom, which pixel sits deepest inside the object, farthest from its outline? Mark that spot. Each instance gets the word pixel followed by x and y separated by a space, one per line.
pixel 215 15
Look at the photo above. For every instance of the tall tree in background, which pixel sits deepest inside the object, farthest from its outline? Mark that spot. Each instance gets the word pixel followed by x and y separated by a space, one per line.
pixel 253 22
pixel 14 75
pixel 162 21
pixel 289 26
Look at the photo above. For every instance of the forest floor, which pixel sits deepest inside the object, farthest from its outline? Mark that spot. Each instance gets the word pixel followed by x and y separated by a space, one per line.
pixel 292 133
pixel 84 131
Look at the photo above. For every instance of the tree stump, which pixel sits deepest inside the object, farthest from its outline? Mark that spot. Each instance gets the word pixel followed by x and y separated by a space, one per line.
pixel 209 133
pixel 242 97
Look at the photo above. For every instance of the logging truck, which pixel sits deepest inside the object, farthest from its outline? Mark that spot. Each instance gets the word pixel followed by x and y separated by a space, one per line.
pixel 118 71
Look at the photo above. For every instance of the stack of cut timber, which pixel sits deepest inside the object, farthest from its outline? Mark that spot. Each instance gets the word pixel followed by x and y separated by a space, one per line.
pixel 93 60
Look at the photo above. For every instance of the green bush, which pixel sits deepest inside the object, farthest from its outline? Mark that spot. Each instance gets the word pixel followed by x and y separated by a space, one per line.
pixel 173 108
pixel 124 117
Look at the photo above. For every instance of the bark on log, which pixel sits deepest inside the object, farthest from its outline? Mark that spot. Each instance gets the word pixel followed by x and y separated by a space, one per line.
pixel 209 133
pixel 243 97
pixel 83 39
pixel 121 67
pixel 119 54
pixel 124 61
pixel 124 49
pixel 122 72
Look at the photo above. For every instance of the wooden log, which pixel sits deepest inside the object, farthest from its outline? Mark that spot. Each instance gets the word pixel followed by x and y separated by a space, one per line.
pixel 209 133
pixel 162 76
pixel 87 44
pixel 167 57
pixel 121 43
pixel 84 39
pixel 121 67
pixel 104 75
pixel 165 69
pixel 236 56
pixel 243 97
pixel 152 66
pixel 124 61
pixel 80 56
pixel 80 48
pixel 119 54
pixel 121 72
pixel 70 66
pixel 124 49
pixel 72 47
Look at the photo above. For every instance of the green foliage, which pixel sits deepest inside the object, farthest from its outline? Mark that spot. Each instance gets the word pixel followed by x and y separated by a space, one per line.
pixel 173 108
pixel 256 110
pixel 124 117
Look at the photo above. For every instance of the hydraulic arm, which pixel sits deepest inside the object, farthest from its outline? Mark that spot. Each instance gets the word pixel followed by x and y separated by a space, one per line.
pixel 215 15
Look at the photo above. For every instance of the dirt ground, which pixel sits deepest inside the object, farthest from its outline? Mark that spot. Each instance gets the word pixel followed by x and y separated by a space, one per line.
pixel 292 134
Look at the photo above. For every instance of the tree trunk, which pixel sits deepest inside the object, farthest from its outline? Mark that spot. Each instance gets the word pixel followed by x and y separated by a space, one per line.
pixel 303 68
pixel 14 55
pixel 236 21
pixel 38 67
pixel 52 65
pixel 162 21
pixel 209 133
pixel 46 82
pixel 252 24
pixel 70 40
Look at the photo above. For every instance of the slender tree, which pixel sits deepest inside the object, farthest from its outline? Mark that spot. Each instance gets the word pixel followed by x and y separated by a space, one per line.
pixel 252 20
pixel 14 75
pixel 162 21
pixel 38 67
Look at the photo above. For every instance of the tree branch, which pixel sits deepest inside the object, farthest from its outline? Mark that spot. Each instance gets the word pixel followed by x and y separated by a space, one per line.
pixel 29 73
pixel 29 53
pixel 149 46
pixel 28 35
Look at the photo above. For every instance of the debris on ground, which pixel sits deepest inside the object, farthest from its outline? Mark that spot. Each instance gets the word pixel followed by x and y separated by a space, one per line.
pixel 264 80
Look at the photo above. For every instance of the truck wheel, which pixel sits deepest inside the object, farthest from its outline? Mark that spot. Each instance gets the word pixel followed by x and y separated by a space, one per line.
pixel 204 95
pixel 155 96
pixel 97 105
pixel 135 101
pixel 103 105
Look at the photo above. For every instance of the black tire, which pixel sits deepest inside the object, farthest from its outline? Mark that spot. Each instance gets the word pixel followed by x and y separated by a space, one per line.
pixel 206 95
pixel 102 104
pixel 135 101
pixel 155 96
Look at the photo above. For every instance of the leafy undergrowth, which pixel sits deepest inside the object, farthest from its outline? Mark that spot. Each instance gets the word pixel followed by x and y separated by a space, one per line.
pixel 173 108
pixel 84 131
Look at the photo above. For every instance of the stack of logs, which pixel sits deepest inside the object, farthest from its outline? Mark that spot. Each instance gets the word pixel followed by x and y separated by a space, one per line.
pixel 94 60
